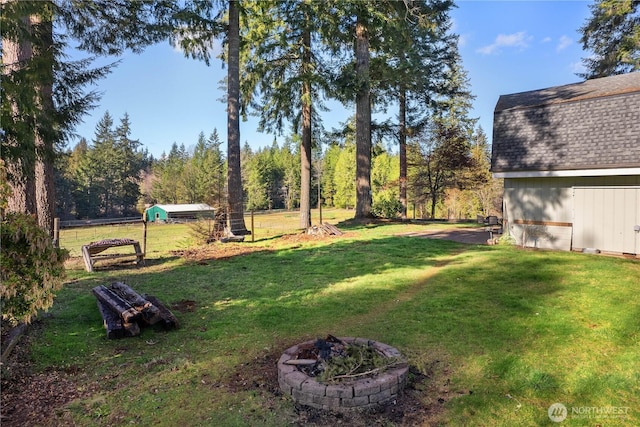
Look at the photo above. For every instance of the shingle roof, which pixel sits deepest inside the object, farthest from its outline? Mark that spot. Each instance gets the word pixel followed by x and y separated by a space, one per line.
pixel 590 125
pixel 595 88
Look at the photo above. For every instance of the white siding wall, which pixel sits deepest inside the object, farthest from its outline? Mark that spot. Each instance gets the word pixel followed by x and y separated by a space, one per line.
pixel 539 201
pixel 541 210
pixel 605 218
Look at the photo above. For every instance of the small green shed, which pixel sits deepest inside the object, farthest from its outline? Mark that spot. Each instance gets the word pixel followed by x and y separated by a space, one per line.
pixel 169 213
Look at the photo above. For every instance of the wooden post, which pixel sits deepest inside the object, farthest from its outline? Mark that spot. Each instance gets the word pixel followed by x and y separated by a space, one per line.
pixel 253 232
pixel 319 200
pixel 144 232
pixel 144 237
pixel 56 232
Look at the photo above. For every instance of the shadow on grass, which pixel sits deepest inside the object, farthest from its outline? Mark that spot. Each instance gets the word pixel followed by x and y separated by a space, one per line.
pixel 334 287
pixel 498 314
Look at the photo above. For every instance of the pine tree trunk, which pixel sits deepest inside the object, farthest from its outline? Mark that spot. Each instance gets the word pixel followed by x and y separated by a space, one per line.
pixel 235 197
pixel 363 122
pixel 44 171
pixel 19 161
pixel 305 152
pixel 403 151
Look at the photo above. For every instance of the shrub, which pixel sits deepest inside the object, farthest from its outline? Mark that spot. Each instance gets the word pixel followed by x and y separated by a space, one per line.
pixel 507 239
pixel 387 207
pixel 31 268
pixel 207 229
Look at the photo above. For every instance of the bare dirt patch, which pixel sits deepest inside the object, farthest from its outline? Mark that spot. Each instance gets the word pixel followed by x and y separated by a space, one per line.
pixel 421 403
pixel 219 251
pixel 38 398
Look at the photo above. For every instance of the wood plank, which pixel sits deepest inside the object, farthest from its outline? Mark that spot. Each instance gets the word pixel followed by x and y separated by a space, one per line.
pixel 112 256
pixel 301 362
pixel 111 320
pixel 150 313
pixel 116 303
pixel 169 321
pixel 131 329
pixel 86 256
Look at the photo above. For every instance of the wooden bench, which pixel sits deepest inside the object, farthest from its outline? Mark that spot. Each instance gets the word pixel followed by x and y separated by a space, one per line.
pixel 93 251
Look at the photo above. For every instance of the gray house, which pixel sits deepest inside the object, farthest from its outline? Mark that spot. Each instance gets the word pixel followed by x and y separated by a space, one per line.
pixel 570 159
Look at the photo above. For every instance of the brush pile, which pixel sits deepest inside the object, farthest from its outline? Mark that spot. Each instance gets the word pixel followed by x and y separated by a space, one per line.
pixel 334 360
pixel 324 230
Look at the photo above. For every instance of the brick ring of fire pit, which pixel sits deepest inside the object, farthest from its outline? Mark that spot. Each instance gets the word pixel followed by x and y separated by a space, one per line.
pixel 361 393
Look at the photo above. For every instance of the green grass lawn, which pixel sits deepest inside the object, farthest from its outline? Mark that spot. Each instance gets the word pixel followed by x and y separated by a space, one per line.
pixel 499 333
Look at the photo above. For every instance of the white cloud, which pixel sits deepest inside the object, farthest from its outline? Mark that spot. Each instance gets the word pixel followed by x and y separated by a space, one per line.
pixel 564 43
pixel 546 40
pixel 516 40
pixel 577 68
pixel 462 40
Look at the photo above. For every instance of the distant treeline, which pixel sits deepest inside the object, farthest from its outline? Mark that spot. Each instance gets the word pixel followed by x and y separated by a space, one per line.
pixel 114 176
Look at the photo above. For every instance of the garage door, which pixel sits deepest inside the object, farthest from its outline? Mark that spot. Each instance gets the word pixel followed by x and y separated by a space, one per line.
pixel 607 218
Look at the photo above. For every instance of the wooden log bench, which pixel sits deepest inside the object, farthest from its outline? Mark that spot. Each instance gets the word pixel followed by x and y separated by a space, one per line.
pixel 93 251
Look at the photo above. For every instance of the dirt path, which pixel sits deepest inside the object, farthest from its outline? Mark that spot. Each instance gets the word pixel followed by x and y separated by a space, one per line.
pixel 473 236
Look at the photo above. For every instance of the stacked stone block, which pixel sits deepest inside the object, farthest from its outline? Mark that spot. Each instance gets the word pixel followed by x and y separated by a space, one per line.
pixel 356 394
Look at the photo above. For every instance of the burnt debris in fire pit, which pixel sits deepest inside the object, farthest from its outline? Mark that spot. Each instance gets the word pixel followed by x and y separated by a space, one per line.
pixel 333 360
pixel 342 373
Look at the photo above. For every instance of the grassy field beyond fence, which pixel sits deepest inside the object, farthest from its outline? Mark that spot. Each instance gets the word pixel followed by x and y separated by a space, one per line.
pixel 495 334
pixel 163 237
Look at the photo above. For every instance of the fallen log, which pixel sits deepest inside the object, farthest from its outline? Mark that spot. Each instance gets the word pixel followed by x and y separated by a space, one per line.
pixel 168 320
pixel 111 320
pixel 150 313
pixel 127 313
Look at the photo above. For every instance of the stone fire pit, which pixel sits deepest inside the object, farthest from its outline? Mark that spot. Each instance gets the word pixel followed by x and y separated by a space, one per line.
pixel 358 393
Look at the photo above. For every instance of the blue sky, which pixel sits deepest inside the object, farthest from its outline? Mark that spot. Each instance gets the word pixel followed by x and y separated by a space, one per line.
pixel 506 47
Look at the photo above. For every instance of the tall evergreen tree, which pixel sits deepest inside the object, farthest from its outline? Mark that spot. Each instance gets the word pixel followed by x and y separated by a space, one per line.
pixel 286 71
pixel 234 179
pixel 201 23
pixel 363 115
pixel 108 172
pixel 413 63
pixel 443 147
pixel 215 163
pixel 131 161
pixel 379 32
pixel 612 34
pixel 167 186
pixel 50 89
pixel 344 177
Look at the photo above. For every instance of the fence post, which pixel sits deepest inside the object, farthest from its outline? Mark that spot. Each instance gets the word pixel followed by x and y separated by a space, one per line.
pixel 253 233
pixel 144 237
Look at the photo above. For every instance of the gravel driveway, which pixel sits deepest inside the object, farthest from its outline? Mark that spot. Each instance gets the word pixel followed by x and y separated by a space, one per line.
pixel 472 236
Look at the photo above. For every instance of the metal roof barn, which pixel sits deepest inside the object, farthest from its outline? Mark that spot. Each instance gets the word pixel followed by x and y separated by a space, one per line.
pixel 168 213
